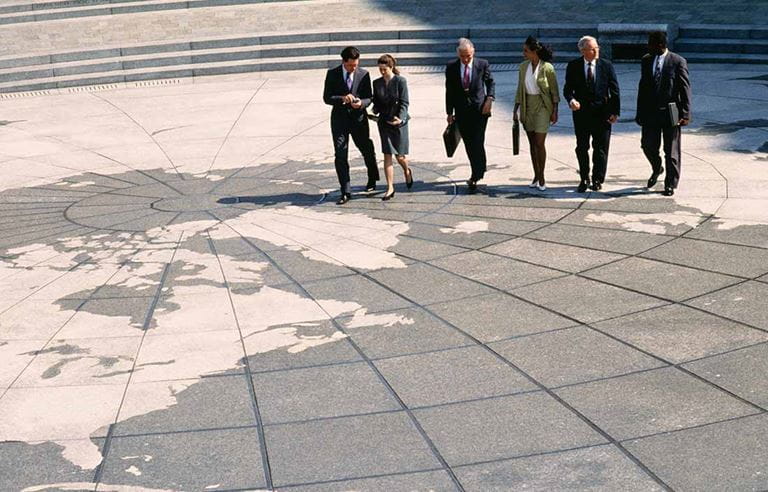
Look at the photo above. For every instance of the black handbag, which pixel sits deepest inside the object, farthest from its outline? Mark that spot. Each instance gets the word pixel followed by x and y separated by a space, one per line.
pixel 451 138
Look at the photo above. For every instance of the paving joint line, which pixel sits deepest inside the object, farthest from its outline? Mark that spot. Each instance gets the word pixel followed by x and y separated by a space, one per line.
pixel 267 468
pixel 145 329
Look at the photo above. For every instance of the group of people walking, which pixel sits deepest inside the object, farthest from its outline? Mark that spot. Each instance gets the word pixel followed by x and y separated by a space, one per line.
pixel 591 89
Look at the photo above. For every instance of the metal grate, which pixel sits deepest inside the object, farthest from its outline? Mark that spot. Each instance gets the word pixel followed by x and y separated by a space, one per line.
pixel 16 95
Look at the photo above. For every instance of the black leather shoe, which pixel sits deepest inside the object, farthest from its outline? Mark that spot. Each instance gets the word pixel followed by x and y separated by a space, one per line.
pixel 582 187
pixel 345 197
pixel 597 186
pixel 654 177
pixel 388 197
pixel 472 185
pixel 668 191
pixel 370 186
pixel 409 179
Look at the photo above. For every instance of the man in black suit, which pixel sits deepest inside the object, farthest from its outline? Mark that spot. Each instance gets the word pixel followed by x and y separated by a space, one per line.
pixel 469 93
pixel 348 90
pixel 663 80
pixel 592 91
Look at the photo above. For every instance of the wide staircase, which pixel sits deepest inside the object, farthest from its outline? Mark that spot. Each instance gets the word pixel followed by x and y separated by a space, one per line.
pixel 69 47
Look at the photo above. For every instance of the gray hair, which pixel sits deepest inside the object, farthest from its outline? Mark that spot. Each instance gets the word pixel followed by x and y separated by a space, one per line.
pixel 465 44
pixel 584 40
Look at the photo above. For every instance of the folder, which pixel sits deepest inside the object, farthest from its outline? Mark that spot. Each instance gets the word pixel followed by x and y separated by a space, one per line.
pixel 451 138
pixel 674 114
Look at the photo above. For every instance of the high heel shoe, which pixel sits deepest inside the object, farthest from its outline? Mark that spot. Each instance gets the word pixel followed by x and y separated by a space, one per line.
pixel 409 179
pixel 388 197
pixel 534 183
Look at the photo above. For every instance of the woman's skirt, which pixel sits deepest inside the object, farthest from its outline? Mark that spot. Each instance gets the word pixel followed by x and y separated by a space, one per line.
pixel 536 117
pixel 394 139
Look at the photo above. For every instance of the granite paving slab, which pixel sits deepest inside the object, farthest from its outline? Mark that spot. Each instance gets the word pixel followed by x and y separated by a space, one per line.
pixel 677 333
pixel 574 355
pixel 665 280
pixel 504 427
pixel 712 457
pixel 652 402
pixel 594 468
pixel 498 316
pixel 187 460
pixel 330 391
pixel 586 300
pixel 347 448
pixel 451 375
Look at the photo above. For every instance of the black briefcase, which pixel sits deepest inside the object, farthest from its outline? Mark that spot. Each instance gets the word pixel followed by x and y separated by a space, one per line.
pixel 515 137
pixel 451 139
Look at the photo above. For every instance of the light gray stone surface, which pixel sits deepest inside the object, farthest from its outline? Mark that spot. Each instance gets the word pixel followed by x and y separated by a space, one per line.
pixel 259 276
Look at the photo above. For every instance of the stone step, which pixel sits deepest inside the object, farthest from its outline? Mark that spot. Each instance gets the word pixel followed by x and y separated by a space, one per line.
pixel 52 81
pixel 745 46
pixel 729 58
pixel 372 50
pixel 325 42
pixel 710 31
pixel 48 11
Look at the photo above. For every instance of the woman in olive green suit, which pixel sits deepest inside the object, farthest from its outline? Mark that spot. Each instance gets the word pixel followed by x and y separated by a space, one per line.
pixel 537 98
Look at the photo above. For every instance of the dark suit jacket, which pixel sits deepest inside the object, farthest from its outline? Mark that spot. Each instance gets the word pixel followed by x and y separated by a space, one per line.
pixel 674 86
pixel 391 100
pixel 605 98
pixel 335 89
pixel 480 87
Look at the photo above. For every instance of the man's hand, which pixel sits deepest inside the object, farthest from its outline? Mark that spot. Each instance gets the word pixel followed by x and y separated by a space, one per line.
pixel 395 121
pixel 574 105
pixel 356 103
pixel 450 119
pixel 613 119
pixel 348 99
pixel 486 109
pixel 684 121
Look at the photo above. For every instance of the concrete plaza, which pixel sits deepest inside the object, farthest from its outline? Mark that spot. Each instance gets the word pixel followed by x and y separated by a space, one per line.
pixel 184 307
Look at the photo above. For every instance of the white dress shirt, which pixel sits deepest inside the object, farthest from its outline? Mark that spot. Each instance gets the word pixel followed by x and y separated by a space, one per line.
pixel 531 86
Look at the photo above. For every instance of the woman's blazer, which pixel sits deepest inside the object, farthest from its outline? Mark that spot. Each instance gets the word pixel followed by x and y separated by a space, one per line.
pixel 547 82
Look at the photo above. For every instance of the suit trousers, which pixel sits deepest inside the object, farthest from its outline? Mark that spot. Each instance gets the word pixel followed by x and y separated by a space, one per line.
pixel 651 141
pixel 472 127
pixel 341 129
pixel 594 126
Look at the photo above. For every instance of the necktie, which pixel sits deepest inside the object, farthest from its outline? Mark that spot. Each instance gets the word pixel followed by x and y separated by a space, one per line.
pixel 657 71
pixel 466 76
pixel 590 74
pixel 349 81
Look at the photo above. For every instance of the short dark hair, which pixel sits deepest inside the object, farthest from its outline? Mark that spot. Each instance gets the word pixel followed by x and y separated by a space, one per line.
pixel 350 53
pixel 657 37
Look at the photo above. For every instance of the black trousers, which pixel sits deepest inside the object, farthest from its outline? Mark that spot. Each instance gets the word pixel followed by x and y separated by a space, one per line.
pixel 592 125
pixel 472 126
pixel 342 127
pixel 651 141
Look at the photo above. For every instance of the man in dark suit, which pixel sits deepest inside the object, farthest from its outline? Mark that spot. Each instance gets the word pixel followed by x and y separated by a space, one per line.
pixel 592 91
pixel 469 93
pixel 663 80
pixel 348 90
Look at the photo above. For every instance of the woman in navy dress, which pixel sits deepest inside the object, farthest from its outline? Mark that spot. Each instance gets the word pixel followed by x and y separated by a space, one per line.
pixel 390 103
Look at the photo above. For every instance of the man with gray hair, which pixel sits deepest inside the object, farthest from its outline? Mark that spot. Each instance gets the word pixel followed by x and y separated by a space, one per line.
pixel 469 94
pixel 592 91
